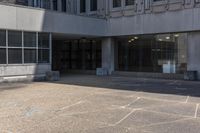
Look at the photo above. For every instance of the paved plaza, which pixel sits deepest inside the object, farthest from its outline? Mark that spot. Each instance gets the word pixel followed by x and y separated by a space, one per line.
pixel 91 104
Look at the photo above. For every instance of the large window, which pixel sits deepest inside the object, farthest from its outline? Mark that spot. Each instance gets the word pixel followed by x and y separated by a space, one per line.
pixel 164 53
pixel 41 3
pixel 93 5
pixel 64 6
pixel 17 47
pixel 3 56
pixel 129 2
pixel 55 5
pixel 15 39
pixel 117 3
pixel 15 56
pixel 43 48
pixel 3 46
pixel 29 39
pixel 14 47
pixel 82 6
pixel 30 47
pixel 80 54
pixel 2 38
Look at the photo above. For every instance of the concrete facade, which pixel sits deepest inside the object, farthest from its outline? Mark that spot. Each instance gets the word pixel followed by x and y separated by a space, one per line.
pixel 106 22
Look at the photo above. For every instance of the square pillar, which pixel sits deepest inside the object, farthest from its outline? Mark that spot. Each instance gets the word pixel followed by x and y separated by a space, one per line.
pixel 194 52
pixel 108 57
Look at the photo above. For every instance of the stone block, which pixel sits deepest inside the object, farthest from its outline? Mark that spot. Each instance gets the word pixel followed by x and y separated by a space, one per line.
pixel 53 76
pixel 101 72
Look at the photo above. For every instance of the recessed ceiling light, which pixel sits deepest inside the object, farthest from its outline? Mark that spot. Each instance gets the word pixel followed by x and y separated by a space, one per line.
pixel 136 37
pixel 167 37
pixel 176 35
pixel 132 39
pixel 160 40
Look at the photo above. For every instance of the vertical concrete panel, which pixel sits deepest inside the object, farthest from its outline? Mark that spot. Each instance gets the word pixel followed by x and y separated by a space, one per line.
pixel 194 52
pixel 108 54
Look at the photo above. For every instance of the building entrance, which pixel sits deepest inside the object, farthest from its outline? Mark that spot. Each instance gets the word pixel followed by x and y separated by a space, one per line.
pixel 80 54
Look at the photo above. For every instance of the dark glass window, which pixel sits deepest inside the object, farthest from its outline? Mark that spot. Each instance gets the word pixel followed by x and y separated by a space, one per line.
pixel 46 4
pixel 14 38
pixel 14 56
pixel 29 56
pixel 43 40
pixel 29 39
pixel 64 8
pixel 82 6
pixel 163 53
pixel 116 3
pixel 93 5
pixel 130 2
pixel 43 56
pixel 55 5
pixel 3 56
pixel 2 38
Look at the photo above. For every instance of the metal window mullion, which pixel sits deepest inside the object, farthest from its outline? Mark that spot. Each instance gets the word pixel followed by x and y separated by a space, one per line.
pixel 37 47
pixel 7 47
pixel 50 48
pixel 23 47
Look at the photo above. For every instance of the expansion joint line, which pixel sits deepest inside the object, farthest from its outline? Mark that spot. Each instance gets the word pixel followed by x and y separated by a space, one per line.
pixel 196 111
pixel 125 117
pixel 138 98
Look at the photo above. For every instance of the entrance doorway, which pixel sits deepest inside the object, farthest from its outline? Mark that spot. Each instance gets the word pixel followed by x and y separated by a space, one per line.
pixel 76 54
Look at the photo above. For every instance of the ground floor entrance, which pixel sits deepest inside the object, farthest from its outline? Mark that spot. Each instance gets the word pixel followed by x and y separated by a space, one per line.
pixel 76 54
pixel 164 53
pixel 156 53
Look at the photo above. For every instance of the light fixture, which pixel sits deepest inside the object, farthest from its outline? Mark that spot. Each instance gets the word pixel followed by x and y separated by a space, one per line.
pixel 176 35
pixel 160 39
pixel 136 37
pixel 167 37
pixel 129 41
pixel 132 39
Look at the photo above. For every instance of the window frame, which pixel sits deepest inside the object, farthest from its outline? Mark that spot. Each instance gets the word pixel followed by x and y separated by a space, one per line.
pixel 22 48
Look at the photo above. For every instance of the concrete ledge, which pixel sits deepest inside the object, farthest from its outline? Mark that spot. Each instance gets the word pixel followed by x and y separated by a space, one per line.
pixel 22 78
pixel 150 75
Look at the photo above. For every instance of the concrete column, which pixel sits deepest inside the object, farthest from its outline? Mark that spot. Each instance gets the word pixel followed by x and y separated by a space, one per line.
pixel 194 52
pixel 108 54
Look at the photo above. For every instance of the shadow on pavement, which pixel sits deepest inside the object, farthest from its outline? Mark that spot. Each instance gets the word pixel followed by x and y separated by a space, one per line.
pixel 175 87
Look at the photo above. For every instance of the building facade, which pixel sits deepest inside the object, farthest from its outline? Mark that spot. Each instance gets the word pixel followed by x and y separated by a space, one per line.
pixel 150 38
